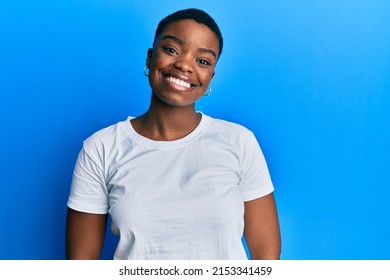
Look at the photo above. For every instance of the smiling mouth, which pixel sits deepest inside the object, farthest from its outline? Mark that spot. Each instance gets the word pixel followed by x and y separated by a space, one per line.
pixel 178 82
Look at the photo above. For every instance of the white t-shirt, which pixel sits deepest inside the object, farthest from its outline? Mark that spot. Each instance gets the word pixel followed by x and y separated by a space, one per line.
pixel 181 199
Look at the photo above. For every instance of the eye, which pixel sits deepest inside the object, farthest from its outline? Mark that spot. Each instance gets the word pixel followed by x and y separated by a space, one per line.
pixel 203 62
pixel 169 50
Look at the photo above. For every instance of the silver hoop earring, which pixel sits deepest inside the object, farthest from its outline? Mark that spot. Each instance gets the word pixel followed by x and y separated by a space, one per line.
pixel 146 74
pixel 207 93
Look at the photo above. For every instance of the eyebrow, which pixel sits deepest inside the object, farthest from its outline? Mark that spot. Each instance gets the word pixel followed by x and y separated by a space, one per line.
pixel 208 51
pixel 174 38
pixel 181 42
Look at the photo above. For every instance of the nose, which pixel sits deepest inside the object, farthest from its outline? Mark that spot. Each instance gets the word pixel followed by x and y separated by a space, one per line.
pixel 184 64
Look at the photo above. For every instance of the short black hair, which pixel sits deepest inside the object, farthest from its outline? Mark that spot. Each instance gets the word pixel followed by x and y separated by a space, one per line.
pixel 195 14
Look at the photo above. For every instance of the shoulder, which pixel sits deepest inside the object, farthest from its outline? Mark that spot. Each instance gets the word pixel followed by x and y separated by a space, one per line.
pixel 231 135
pixel 106 137
pixel 230 129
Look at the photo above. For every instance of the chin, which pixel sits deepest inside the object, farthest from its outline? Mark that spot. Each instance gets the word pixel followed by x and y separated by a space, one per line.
pixel 174 100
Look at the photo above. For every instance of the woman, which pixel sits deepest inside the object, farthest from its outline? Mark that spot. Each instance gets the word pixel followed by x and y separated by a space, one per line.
pixel 177 183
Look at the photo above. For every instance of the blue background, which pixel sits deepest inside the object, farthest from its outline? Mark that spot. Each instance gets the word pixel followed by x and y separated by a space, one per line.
pixel 310 78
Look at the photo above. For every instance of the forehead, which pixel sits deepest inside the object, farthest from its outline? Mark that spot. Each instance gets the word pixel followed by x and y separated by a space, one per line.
pixel 190 30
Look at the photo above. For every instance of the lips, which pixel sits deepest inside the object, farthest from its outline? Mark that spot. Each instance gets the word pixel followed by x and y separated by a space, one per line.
pixel 181 82
pixel 178 82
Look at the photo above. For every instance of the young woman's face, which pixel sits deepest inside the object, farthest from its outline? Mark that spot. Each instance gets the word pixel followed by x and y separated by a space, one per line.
pixel 182 63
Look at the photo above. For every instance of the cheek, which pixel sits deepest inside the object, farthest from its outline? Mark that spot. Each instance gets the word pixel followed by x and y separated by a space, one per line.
pixel 206 77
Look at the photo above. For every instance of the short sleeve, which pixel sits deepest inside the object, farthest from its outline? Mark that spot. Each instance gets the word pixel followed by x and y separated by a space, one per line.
pixel 88 191
pixel 255 178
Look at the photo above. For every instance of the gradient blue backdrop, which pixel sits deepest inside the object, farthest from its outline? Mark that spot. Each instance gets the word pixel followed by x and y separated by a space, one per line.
pixel 310 78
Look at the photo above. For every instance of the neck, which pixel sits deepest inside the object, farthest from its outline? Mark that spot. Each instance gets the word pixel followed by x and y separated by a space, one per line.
pixel 163 122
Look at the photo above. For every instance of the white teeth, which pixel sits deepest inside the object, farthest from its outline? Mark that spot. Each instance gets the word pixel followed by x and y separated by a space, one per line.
pixel 178 82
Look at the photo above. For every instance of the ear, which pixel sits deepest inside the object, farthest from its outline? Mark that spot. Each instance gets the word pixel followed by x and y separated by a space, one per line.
pixel 149 57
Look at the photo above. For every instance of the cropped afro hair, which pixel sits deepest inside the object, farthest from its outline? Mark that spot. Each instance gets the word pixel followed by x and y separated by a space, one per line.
pixel 195 14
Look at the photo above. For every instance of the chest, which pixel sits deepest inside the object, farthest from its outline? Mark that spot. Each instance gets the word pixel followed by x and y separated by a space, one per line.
pixel 190 189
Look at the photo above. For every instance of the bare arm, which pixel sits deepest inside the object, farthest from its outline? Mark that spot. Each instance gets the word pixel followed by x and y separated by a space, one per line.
pixel 84 235
pixel 262 232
